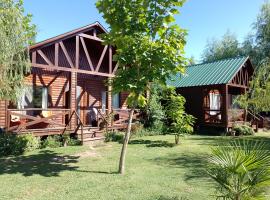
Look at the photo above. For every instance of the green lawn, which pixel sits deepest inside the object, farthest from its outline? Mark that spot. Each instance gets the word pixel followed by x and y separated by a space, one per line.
pixel 153 169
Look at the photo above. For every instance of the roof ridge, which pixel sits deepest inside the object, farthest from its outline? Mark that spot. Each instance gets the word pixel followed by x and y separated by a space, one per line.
pixel 216 61
pixel 71 32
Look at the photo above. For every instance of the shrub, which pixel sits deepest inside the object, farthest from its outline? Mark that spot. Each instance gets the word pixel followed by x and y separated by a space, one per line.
pixel 243 129
pixel 29 142
pixel 113 136
pixel 11 144
pixel 74 142
pixel 53 141
pixel 154 113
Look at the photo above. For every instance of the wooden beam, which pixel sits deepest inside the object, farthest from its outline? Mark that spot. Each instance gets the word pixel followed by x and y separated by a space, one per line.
pixel 94 32
pixel 56 77
pixel 115 68
pixel 110 59
pixel 34 56
pixel 236 85
pixel 77 52
pixel 56 54
pixel 87 54
pixel 101 58
pixel 47 60
pixel 65 69
pixel 66 54
pixel 91 37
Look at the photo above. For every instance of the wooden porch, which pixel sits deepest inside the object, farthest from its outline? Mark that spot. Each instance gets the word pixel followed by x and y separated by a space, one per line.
pixel 44 122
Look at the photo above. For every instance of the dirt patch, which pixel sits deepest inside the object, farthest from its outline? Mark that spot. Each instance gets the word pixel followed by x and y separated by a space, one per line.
pixel 87 154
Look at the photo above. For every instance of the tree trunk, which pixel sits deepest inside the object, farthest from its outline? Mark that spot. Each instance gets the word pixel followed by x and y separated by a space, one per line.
pixel 177 137
pixel 125 143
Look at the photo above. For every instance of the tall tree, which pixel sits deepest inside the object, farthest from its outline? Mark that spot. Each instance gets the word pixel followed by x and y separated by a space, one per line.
pixel 16 34
pixel 257 98
pixel 150 48
pixel 262 27
pixel 227 47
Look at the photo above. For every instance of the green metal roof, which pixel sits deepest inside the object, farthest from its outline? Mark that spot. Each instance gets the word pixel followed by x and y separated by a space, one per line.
pixel 212 73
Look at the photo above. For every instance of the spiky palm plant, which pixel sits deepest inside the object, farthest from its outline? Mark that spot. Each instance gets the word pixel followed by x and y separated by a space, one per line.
pixel 241 169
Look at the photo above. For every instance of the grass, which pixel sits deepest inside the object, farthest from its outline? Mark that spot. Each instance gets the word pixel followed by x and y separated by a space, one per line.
pixel 155 167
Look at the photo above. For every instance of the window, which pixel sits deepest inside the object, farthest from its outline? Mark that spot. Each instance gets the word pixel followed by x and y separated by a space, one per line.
pixel 103 101
pixel 34 97
pixel 116 101
pixel 215 102
pixel 234 105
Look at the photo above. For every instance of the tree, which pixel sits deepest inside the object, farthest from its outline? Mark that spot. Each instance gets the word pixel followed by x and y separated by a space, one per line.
pixel 227 47
pixel 178 121
pixel 241 169
pixel 149 48
pixel 16 34
pixel 262 36
pixel 257 98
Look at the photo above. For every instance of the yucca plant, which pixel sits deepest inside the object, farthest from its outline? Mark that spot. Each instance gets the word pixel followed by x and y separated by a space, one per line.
pixel 241 169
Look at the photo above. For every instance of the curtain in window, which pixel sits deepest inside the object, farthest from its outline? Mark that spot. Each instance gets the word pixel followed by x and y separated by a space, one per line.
pixel 103 101
pixel 215 103
pixel 44 97
pixel 26 100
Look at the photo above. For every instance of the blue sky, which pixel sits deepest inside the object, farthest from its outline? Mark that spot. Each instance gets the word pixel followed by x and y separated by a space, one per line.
pixel 204 19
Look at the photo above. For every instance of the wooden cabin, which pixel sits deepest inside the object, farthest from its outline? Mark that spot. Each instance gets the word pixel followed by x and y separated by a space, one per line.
pixel 211 88
pixel 66 89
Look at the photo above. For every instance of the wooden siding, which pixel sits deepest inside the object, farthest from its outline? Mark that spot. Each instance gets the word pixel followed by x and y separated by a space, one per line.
pixel 123 100
pixel 2 114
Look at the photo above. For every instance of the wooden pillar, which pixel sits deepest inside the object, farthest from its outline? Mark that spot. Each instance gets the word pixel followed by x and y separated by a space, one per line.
pixel 225 106
pixel 109 99
pixel 73 101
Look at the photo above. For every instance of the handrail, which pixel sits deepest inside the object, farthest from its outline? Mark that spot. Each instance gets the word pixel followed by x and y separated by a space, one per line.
pixel 253 115
pixel 38 109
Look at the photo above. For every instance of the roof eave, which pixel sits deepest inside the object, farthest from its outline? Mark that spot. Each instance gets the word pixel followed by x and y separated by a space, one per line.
pixel 67 35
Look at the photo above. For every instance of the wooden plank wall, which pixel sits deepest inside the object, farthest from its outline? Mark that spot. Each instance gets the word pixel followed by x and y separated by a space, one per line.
pixel 2 114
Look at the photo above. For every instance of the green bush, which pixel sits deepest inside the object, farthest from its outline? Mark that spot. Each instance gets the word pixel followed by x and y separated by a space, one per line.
pixel 53 141
pixel 74 142
pixel 154 112
pixel 114 136
pixel 11 144
pixel 243 129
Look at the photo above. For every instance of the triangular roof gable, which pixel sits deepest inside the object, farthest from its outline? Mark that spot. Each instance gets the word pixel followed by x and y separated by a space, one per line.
pixel 69 34
pixel 212 73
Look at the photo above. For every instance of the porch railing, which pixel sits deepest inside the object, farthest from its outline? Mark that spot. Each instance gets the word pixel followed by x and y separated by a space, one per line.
pixel 212 116
pixel 29 119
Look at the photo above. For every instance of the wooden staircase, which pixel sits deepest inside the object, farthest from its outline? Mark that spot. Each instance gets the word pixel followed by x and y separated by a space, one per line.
pixel 90 134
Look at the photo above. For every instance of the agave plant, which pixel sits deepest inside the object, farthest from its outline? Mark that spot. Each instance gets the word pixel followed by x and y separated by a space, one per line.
pixel 241 169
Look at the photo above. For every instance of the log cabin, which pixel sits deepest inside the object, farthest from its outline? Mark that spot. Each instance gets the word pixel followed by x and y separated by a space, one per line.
pixel 66 89
pixel 210 90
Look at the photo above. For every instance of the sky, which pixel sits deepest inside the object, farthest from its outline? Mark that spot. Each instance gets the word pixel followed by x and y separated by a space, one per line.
pixel 204 19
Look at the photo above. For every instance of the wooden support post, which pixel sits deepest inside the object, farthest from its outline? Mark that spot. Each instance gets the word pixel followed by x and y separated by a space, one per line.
pixel 109 99
pixel 73 101
pixel 225 106
pixel 110 60
pixel 77 59
pixel 82 135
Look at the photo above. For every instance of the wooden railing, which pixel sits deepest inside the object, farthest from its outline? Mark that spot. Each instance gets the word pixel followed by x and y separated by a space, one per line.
pixel 236 115
pixel 212 116
pixel 19 120
pixel 80 124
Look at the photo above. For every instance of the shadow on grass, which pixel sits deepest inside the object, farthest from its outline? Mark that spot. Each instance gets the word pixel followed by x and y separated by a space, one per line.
pixel 46 163
pixel 153 143
pixel 195 164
